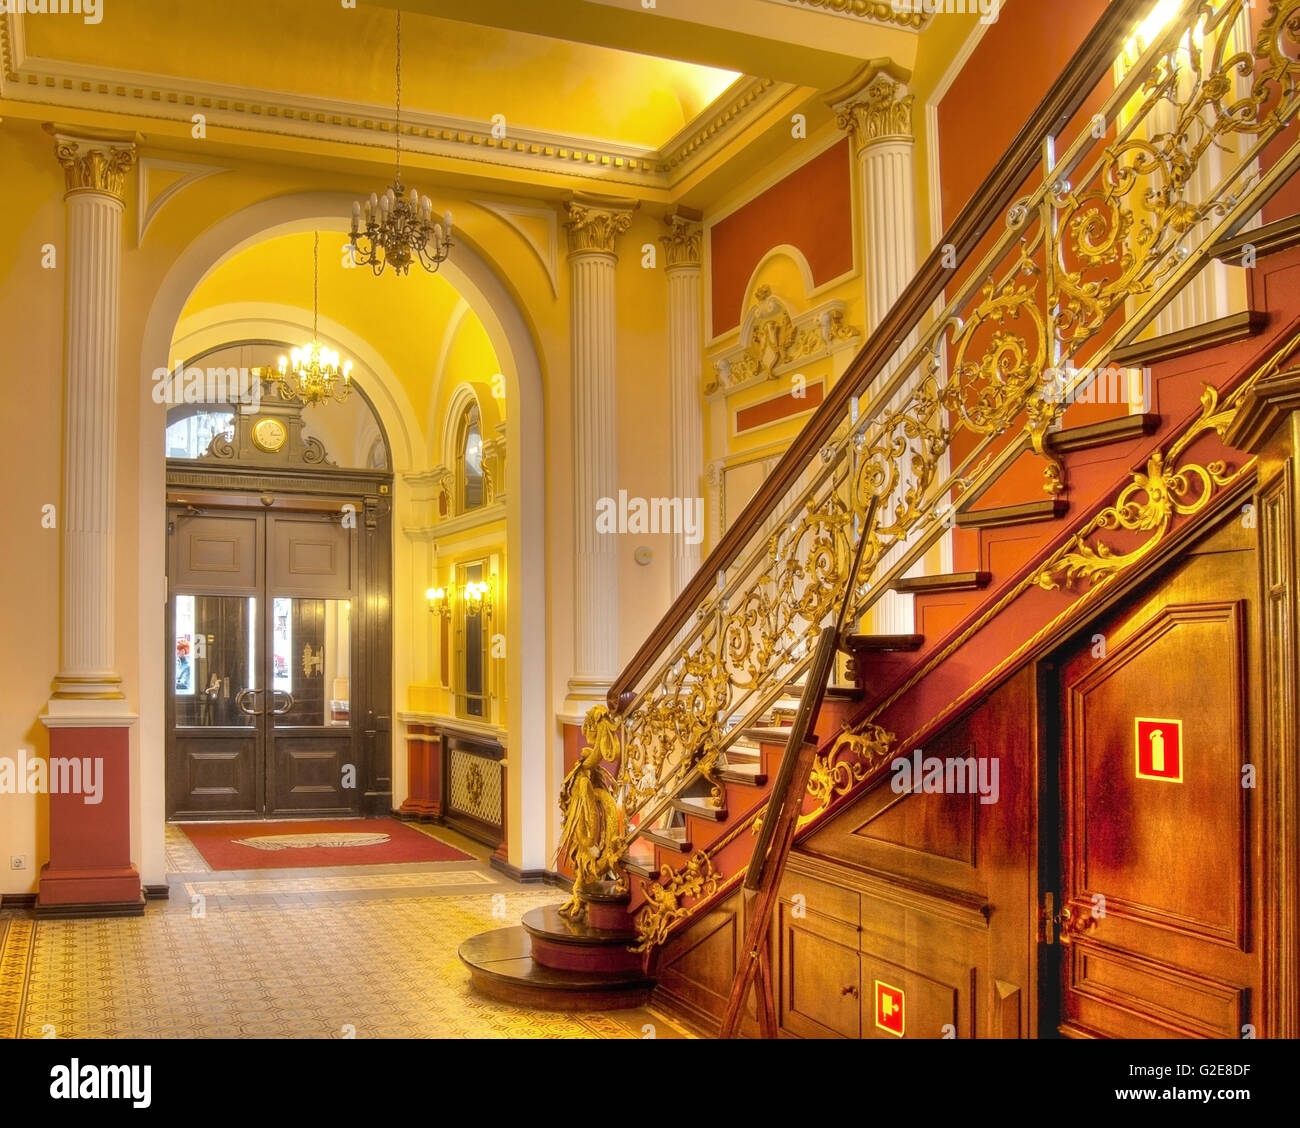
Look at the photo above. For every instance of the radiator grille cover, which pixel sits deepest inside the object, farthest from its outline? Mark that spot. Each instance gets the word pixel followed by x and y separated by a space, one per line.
pixel 475 787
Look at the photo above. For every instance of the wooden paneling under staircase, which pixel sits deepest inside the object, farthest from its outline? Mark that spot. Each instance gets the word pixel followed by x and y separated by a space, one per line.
pixel 914 914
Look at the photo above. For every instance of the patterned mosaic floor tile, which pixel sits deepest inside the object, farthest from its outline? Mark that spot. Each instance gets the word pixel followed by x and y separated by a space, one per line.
pixel 365 968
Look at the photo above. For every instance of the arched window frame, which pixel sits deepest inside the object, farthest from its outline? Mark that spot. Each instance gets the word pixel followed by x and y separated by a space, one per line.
pixel 464 412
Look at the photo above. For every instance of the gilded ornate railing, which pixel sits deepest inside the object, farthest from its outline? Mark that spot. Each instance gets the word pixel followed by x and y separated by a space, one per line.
pixel 1088 257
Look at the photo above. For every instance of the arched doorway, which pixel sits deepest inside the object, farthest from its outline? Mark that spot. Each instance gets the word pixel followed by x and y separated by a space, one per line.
pixel 535 745
pixel 277 643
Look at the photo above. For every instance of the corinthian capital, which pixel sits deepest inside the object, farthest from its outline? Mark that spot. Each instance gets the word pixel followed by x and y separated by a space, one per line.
pixel 683 242
pixel 95 165
pixel 595 222
pixel 874 105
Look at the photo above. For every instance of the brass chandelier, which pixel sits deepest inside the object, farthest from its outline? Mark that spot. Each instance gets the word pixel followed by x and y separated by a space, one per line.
pixel 398 228
pixel 314 375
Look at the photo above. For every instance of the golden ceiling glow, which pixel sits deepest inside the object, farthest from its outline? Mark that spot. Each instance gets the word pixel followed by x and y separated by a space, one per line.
pixel 342 54
pixel 405 320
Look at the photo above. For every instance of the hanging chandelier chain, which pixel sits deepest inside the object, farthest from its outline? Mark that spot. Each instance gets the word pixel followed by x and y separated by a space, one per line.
pixel 315 289
pixel 399 97
pixel 397 228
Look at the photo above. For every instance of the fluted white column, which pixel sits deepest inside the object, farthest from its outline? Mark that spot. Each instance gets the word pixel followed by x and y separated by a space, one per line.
pixel 876 110
pixel 95 172
pixel 594 223
pixel 685 335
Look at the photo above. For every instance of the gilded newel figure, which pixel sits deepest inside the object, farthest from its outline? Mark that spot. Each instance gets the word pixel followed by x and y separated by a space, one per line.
pixel 592 835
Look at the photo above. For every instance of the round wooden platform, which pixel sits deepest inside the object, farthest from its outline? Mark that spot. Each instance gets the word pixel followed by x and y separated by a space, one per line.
pixel 502 967
pixel 577 946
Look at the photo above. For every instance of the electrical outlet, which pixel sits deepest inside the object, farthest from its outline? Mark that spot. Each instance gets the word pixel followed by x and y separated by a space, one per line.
pixel 18 861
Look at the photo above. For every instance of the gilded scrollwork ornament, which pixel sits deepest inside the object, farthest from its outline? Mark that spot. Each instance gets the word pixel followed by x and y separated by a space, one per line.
pixel 1169 487
pixel 853 757
pixel 663 905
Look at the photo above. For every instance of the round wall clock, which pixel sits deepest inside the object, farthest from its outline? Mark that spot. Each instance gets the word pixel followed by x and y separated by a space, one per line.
pixel 269 435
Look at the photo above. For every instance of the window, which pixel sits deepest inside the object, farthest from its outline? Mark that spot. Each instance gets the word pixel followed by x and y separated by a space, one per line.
pixel 188 436
pixel 470 459
pixel 471 697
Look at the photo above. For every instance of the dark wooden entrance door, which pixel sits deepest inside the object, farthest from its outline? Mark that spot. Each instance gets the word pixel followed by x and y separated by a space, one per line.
pixel 261 648
pixel 1158 899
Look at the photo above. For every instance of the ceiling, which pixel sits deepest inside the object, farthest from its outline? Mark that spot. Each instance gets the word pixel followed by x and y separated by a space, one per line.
pixel 652 97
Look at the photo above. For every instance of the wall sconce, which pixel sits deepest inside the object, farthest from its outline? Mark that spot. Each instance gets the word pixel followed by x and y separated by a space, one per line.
pixel 478 598
pixel 438 603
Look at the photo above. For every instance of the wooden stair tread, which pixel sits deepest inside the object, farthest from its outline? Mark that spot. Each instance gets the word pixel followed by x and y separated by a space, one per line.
pixel 769 734
pixel 683 846
pixel 1024 513
pixel 944 582
pixel 502 966
pixel 1220 331
pixel 700 808
pixel 548 922
pixel 742 776
pixel 859 643
pixel 1125 427
pixel 642 867
pixel 741 750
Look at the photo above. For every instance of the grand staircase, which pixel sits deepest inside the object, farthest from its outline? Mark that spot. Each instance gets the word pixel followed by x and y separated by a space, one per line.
pixel 939 418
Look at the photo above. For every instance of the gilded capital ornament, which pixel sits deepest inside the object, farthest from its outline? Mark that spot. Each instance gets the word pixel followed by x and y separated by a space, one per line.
pixel 595 222
pixel 874 105
pixel 682 244
pixel 95 166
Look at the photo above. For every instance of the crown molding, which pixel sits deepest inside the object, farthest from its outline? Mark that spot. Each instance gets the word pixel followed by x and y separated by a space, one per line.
pixel 33 80
pixel 881 12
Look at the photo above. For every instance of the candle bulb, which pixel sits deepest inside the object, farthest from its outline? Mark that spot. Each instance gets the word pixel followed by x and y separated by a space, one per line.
pixel 374 201
pixel 446 223
pixel 415 199
pixel 356 211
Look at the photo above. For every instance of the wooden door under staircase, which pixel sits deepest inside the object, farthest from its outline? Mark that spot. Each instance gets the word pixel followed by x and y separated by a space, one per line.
pixel 1157 887
pixel 267 630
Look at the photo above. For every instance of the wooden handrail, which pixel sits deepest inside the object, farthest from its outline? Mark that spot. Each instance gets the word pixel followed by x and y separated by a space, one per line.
pixel 1089 65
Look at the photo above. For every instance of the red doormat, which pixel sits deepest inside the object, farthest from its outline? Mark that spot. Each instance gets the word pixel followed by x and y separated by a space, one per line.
pixel 291 844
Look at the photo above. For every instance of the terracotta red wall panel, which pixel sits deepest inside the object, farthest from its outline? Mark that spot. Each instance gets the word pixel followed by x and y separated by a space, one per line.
pixel 1005 79
pixel 780 407
pixel 811 209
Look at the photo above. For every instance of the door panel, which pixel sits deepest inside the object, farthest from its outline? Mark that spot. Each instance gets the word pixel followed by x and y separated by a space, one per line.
pixel 1157 830
pixel 308 774
pixel 261 641
pixel 216 553
pixel 310 554
pixel 313 765
pixel 215 760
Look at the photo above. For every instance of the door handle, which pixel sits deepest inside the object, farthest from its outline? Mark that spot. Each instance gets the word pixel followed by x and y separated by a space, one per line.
pixel 239 702
pixel 1076 919
pixel 282 693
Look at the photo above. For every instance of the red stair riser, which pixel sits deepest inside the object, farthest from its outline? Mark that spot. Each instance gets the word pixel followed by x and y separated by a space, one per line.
pixel 611 916
pixel 584 957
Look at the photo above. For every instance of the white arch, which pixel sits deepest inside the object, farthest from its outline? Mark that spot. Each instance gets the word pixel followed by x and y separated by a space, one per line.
pixel 461 397
pixel 795 255
pixel 459 312
pixel 530 740
pixel 243 320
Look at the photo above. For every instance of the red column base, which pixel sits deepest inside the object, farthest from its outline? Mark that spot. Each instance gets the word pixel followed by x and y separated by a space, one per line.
pixel 89 872
pixel 100 891
pixel 420 809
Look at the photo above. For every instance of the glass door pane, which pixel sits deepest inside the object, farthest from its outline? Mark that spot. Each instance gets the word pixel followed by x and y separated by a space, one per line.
pixel 311 662
pixel 215 681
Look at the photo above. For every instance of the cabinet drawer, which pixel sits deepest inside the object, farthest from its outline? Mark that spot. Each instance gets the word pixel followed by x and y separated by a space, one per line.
pixel 822 898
